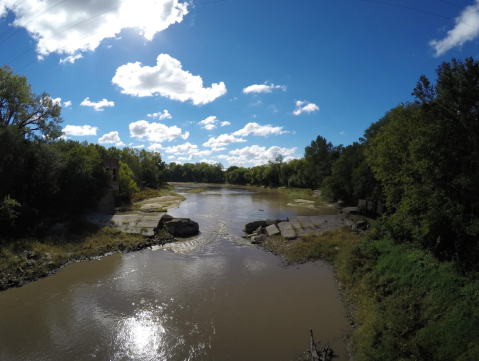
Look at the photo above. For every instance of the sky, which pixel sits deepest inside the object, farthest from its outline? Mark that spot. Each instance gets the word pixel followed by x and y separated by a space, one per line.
pixel 236 81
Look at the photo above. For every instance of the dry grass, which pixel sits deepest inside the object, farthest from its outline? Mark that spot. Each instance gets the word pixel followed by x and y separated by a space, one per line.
pixel 146 193
pixel 195 190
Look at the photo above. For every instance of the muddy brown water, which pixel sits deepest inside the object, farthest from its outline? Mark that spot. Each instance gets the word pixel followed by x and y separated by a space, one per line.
pixel 212 297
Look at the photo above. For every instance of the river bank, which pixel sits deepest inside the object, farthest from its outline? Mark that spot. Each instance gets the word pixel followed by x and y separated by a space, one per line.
pixel 403 303
pixel 28 260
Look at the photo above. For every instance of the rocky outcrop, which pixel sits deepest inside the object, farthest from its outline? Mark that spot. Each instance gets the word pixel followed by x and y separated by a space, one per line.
pixel 182 227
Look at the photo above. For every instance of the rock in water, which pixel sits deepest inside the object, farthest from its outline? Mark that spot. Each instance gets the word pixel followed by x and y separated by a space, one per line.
pixel 183 227
pixel 252 226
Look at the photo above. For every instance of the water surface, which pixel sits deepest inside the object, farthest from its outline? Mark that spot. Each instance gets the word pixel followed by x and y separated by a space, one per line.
pixel 212 297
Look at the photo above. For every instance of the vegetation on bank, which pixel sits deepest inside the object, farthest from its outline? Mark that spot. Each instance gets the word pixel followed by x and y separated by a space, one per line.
pixel 407 305
pixel 28 259
pixel 147 193
pixel 195 190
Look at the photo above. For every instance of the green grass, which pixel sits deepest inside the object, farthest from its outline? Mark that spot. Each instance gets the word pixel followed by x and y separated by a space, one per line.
pixel 408 305
pixel 195 190
pixel 299 193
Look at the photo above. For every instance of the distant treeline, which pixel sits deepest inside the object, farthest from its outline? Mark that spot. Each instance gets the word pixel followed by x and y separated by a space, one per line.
pixel 422 156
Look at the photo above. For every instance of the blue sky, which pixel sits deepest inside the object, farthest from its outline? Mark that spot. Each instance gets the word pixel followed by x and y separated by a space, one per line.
pixel 237 81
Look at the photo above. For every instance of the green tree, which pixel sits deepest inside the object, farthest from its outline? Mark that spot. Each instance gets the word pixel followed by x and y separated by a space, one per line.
pixel 33 114
pixel 128 185
pixel 320 156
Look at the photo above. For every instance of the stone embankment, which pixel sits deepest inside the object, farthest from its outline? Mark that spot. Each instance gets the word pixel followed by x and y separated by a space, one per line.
pixel 146 225
pixel 294 227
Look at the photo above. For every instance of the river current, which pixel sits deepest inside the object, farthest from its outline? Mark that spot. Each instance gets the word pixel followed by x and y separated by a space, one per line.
pixel 211 297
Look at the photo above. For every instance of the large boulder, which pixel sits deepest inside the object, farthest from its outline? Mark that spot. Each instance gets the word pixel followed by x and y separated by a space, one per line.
pixel 253 226
pixel 182 227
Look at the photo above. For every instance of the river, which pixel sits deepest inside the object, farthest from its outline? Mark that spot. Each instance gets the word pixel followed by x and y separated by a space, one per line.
pixel 212 297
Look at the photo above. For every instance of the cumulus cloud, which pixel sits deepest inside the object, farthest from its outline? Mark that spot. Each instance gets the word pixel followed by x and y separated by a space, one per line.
pixel 259 130
pixel 303 106
pixel 171 157
pixel 156 132
pixel 257 155
pixel 188 148
pixel 155 146
pixel 182 149
pixel 139 146
pixel 209 123
pixel 120 144
pixel 263 88
pixel 93 21
pixel 67 104
pixel 222 140
pixel 160 115
pixel 98 106
pixel 79 130
pixel 225 123
pixel 167 79
pixel 71 59
pixel 466 29
pixel 111 137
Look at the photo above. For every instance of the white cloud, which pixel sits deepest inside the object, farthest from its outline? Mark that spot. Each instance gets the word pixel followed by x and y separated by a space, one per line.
pixel 171 157
pixel 80 130
pixel 259 130
pixel 167 79
pixel 71 59
pixel 98 106
pixel 155 146
pixel 188 148
pixel 257 155
pixel 156 132
pixel 111 137
pixel 263 88
pixel 209 123
pixel 182 149
pixel 342 133
pixel 209 161
pixel 120 144
pixel 303 106
pixel 139 146
pixel 466 29
pixel 222 140
pixel 160 115
pixel 96 20
pixel 225 123
pixel 57 101
pixel 67 104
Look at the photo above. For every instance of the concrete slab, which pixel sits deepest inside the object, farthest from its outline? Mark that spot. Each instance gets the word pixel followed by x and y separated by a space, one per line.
pixel 305 222
pixel 127 223
pixel 272 230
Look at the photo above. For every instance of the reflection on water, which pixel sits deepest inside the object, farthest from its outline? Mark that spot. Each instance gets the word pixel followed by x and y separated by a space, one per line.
pixel 213 298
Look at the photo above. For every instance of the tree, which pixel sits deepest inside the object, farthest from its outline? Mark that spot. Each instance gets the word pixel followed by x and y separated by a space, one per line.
pixel 21 108
pixel 320 155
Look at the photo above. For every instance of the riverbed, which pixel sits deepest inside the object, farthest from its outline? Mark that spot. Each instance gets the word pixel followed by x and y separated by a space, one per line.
pixel 210 297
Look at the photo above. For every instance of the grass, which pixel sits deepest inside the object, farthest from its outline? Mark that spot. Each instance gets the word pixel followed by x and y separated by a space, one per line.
pixel 299 193
pixel 408 305
pixel 146 193
pixel 195 190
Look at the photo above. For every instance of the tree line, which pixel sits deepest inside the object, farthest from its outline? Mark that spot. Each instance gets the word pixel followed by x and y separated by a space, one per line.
pixel 421 156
